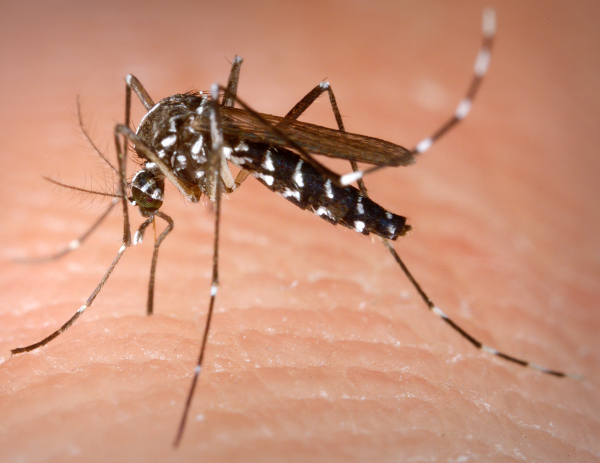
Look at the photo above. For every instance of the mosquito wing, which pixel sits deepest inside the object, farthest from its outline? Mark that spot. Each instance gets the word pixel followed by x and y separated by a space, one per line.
pixel 314 139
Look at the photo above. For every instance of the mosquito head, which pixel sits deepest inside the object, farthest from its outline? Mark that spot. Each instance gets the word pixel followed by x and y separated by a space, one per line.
pixel 147 192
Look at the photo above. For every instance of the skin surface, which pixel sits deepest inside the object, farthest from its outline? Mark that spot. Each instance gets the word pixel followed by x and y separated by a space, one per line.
pixel 320 348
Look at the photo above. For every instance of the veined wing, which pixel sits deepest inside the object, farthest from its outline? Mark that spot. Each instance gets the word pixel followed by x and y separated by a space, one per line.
pixel 314 139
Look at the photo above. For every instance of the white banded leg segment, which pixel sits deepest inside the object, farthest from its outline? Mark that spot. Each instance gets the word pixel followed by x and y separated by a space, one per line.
pixel 482 62
pixel 481 66
pixel 424 145
pixel 77 314
pixel 489 23
pixel 490 350
pixel 76 243
pixel 73 245
pixel 351 177
pixel 550 372
pixel 463 109
pixel 217 157
pixel 436 310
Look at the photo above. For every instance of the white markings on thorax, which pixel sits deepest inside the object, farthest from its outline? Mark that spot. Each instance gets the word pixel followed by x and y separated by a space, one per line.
pixel 169 141
pixel 197 146
pixel 182 161
pixel 241 146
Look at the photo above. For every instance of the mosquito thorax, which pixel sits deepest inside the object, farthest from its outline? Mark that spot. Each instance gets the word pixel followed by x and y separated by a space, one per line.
pixel 169 129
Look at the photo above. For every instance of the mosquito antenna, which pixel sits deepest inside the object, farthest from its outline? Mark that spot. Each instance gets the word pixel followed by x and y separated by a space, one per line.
pixel 74 244
pixel 90 141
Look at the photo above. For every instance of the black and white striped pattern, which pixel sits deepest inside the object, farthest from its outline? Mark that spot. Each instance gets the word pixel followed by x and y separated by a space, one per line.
pixel 285 173
pixel 183 139
pixel 463 108
pixel 168 128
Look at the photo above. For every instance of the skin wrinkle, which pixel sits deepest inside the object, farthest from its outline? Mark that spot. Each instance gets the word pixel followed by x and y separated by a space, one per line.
pixel 501 221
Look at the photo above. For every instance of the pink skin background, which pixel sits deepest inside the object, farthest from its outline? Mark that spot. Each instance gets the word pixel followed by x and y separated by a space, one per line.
pixel 320 349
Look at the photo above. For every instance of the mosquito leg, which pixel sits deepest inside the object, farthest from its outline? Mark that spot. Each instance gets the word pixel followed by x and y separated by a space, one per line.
pixel 137 238
pixel 232 83
pixel 481 66
pixel 76 242
pixel 462 110
pixel 463 333
pixel 129 135
pixel 133 83
pixel 88 303
pixel 464 107
pixel 228 101
pixel 213 170
pixel 309 99
pixel 322 169
pixel 122 156
pixel 240 177
pixel 122 193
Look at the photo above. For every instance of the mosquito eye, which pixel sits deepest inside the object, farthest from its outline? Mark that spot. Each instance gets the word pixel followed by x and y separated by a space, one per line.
pixel 147 192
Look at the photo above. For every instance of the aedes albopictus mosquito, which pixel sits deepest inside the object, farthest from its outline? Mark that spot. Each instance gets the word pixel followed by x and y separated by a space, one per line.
pixel 190 138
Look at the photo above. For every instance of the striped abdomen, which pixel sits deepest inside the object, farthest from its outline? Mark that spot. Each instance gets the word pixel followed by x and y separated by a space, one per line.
pixel 284 172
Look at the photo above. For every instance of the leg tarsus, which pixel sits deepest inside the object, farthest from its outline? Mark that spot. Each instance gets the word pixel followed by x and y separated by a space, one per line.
pixel 157 243
pixel 77 314
pixel 464 106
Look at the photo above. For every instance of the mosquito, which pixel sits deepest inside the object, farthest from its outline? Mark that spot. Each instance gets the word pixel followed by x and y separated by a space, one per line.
pixel 190 139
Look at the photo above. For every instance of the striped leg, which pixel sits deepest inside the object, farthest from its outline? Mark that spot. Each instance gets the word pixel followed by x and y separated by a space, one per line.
pixel 76 243
pixel 89 301
pixel 464 107
pixel 479 345
pixel 462 110
pixel 215 160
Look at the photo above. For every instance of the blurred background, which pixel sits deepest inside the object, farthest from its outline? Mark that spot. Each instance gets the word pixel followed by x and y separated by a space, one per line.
pixel 505 211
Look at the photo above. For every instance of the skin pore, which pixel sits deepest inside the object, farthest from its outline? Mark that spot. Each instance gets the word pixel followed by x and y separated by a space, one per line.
pixel 319 347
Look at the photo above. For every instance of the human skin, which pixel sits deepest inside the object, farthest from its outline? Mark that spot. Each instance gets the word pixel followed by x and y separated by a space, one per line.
pixel 320 349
